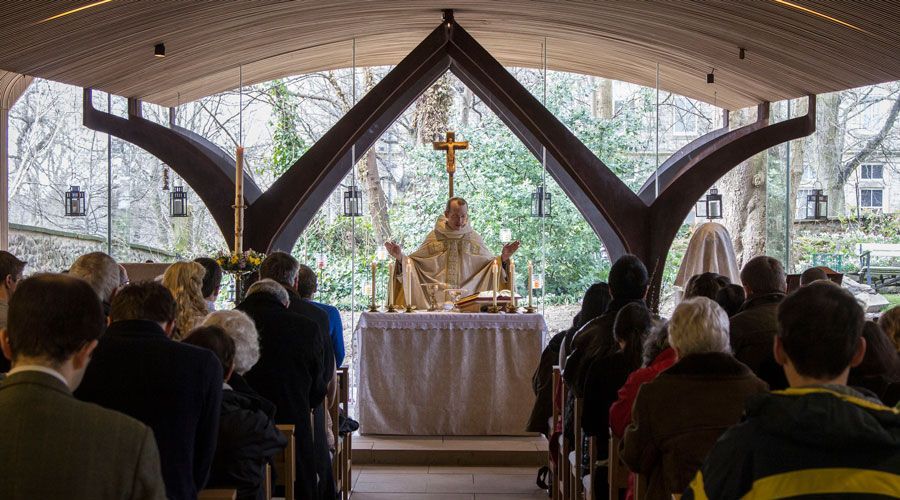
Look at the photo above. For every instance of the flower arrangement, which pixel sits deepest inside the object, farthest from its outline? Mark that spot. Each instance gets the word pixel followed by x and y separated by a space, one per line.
pixel 245 262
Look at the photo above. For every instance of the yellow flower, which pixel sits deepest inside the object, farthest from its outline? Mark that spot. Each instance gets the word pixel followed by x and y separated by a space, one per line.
pixel 234 259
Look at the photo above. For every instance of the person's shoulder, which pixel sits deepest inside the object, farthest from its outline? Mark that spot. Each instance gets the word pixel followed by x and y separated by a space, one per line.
pixel 330 309
pixel 117 424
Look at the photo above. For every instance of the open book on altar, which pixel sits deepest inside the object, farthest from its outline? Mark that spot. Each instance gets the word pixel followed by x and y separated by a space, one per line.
pixel 473 303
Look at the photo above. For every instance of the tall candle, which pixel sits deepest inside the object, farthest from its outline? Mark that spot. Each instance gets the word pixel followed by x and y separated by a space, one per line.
pixel 239 201
pixel 512 280
pixel 495 281
pixel 407 281
pixel 530 280
pixel 390 286
pixel 373 284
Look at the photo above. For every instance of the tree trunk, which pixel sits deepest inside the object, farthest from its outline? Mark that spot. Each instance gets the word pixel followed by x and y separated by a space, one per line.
pixel 370 177
pixel 798 157
pixel 468 101
pixel 603 100
pixel 744 190
pixel 830 145
pixel 432 114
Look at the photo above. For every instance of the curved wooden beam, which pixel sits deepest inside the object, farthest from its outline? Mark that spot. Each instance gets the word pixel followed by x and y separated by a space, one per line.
pixel 203 173
pixel 680 160
pixel 276 220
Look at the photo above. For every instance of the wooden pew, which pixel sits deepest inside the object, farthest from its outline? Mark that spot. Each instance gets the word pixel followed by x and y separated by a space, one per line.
pixel 554 465
pixel 575 459
pixel 217 495
pixel 286 461
pixel 618 472
pixel 342 462
pixel 563 459
pixel 268 482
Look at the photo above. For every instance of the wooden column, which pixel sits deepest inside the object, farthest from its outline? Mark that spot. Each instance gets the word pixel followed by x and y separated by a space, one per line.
pixel 12 86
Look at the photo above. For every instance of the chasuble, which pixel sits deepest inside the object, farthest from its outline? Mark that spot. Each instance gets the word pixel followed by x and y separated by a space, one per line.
pixel 457 258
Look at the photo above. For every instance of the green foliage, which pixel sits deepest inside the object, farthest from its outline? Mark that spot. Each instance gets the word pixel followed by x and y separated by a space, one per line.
pixel 287 144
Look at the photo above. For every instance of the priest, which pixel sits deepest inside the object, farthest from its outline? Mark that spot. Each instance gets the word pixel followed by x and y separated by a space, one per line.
pixel 452 254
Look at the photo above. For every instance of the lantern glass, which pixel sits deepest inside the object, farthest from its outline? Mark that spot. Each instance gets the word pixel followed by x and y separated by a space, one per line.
pixel 178 202
pixel 352 202
pixel 701 212
pixel 714 204
pixel 541 202
pixel 816 205
pixel 505 235
pixel 75 202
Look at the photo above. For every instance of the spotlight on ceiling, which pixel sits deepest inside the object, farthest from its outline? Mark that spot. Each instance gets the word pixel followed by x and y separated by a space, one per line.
pixel 742 53
pixel 711 77
pixel 159 50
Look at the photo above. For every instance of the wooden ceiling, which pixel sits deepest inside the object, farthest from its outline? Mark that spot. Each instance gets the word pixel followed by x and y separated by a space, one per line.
pixel 790 52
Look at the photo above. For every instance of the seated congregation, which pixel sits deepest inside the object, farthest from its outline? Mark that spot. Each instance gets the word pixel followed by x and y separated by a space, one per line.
pixel 745 390
pixel 143 390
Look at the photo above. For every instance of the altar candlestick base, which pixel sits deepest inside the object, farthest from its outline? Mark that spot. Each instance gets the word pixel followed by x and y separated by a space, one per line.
pixel 410 308
pixel 494 309
pixel 511 308
pixel 530 310
pixel 373 308
pixel 392 308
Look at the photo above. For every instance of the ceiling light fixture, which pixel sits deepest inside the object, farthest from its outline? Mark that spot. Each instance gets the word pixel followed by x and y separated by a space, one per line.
pixel 741 53
pixel 711 77
pixel 159 50
pixel 79 9
pixel 819 14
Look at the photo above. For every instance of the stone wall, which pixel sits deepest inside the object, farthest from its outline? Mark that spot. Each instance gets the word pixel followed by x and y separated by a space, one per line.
pixel 49 250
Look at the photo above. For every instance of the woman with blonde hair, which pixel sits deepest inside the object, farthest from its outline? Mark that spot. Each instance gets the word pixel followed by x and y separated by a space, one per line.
pixel 185 281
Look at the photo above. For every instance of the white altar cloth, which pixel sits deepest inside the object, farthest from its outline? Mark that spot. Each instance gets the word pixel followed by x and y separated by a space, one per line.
pixel 447 373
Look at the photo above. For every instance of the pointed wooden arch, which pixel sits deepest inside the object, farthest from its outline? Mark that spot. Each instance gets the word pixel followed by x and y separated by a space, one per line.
pixel 624 221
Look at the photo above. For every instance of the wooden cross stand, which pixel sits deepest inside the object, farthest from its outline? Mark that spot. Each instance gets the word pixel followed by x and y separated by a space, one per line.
pixel 450 146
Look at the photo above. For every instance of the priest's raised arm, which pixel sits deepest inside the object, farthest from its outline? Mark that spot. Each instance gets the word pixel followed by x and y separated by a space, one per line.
pixel 453 253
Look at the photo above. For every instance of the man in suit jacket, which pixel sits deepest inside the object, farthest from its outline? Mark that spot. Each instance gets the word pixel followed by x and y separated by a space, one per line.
pixel 51 444
pixel 289 372
pixel 284 269
pixel 174 388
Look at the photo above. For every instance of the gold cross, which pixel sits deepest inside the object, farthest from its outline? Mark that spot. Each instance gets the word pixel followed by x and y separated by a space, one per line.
pixel 450 146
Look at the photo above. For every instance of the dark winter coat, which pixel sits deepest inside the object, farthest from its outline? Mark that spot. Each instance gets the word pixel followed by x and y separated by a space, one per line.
pixel 753 333
pixel 678 417
pixel 820 441
pixel 247 438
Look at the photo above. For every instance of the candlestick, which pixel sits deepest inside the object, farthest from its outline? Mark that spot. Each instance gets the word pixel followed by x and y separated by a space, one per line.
pixel 373 307
pixel 512 280
pixel 530 308
pixel 390 287
pixel 407 284
pixel 239 201
pixel 495 279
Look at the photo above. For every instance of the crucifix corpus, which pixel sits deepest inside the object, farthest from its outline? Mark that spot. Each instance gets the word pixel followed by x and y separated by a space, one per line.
pixel 450 146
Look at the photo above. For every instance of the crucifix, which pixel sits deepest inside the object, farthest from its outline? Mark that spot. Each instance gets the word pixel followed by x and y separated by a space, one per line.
pixel 450 146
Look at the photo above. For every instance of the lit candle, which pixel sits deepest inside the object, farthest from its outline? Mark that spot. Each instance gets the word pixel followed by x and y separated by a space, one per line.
pixel 530 280
pixel 373 284
pixel 407 281
pixel 512 281
pixel 495 279
pixel 390 286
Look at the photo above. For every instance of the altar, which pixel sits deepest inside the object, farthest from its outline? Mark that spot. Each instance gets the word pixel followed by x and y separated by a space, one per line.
pixel 447 373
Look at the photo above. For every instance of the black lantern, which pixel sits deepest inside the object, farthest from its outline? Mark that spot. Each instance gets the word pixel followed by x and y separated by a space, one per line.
pixel 541 202
pixel 352 202
pixel 710 206
pixel 178 202
pixel 75 203
pixel 817 205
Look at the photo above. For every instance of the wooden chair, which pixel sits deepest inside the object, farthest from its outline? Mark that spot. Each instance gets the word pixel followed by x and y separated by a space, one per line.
pixel 640 486
pixel 576 459
pixel 554 465
pixel 217 495
pixel 593 453
pixel 618 472
pixel 286 461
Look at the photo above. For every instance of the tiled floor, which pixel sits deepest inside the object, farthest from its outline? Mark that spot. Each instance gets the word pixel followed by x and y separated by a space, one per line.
pixel 380 482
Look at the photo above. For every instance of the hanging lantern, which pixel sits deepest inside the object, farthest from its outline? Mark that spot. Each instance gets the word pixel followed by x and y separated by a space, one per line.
pixel 817 205
pixel 165 179
pixel 505 235
pixel 352 202
pixel 541 202
pixel 75 202
pixel 178 202
pixel 321 261
pixel 710 206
